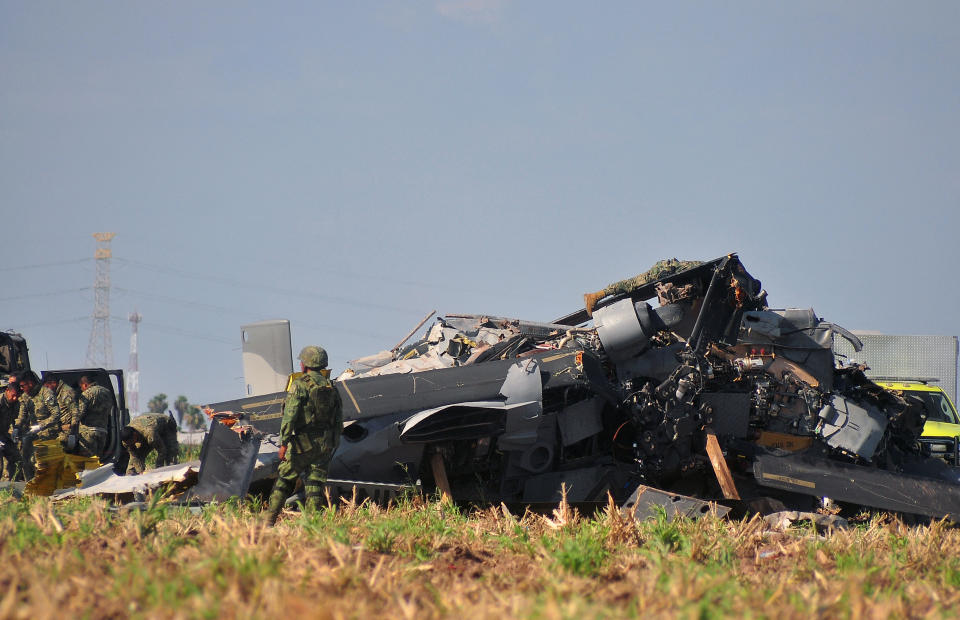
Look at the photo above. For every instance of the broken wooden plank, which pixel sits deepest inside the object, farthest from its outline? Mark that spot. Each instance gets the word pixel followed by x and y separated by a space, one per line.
pixel 720 468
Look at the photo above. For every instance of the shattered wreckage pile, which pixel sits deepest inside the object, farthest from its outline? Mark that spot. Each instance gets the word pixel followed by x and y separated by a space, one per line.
pixel 707 400
pixel 707 395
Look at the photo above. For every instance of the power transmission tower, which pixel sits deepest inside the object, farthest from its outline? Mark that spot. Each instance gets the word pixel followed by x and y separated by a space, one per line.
pixel 133 371
pixel 100 348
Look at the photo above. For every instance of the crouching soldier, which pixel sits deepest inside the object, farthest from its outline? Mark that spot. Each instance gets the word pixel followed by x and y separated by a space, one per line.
pixel 148 432
pixel 93 415
pixel 309 432
pixel 9 410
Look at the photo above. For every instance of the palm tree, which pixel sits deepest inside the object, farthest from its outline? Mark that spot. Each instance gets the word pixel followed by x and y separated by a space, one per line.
pixel 157 404
pixel 189 415
pixel 180 406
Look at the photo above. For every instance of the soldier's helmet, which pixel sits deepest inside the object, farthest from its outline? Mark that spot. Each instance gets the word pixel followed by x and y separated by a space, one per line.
pixel 313 357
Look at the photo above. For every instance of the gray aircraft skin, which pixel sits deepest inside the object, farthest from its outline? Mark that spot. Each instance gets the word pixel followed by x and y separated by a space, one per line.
pixel 707 395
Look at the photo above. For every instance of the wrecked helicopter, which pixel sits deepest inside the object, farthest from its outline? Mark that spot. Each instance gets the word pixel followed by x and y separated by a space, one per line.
pixel 681 387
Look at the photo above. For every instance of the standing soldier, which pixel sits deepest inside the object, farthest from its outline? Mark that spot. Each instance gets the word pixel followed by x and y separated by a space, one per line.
pixel 9 411
pixel 309 432
pixel 26 423
pixel 147 432
pixel 27 418
pixel 93 416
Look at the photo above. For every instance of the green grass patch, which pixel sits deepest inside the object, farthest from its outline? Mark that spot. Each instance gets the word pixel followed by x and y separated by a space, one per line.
pixel 582 553
pixel 423 558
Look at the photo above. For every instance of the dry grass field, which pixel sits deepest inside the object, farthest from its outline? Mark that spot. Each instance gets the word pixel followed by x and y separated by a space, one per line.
pixel 424 559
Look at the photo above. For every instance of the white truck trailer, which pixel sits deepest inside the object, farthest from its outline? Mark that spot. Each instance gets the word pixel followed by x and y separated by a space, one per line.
pixel 893 357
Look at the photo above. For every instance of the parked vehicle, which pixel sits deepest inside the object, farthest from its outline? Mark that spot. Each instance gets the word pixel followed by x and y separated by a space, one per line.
pixel 14 358
pixel 941 433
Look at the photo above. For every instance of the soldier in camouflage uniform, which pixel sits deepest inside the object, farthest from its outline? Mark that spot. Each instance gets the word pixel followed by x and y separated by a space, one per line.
pixel 46 412
pixel 67 401
pixel 26 422
pixel 29 389
pixel 147 432
pixel 93 415
pixel 309 432
pixel 9 411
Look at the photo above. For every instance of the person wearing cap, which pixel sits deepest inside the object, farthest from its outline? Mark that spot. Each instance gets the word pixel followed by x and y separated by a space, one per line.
pixel 309 432
pixel 9 410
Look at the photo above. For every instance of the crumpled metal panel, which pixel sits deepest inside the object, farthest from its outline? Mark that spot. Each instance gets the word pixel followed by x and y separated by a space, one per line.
pixel 227 461
pixel 514 419
pixel 855 484
pixel 853 427
pixel 645 501
pixel 104 481
pixel 372 450
pixel 581 485
pixel 655 363
pixel 796 334
pixel 522 391
pixel 580 420
pixel 456 422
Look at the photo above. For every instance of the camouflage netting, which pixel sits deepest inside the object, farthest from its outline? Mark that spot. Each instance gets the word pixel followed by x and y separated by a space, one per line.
pixel 660 269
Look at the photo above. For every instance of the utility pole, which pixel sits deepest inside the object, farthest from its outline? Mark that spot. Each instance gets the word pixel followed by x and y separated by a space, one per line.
pixel 133 370
pixel 100 348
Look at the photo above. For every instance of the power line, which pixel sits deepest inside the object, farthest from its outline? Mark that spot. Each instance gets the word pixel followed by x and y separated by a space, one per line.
pixel 332 273
pixel 271 289
pixel 344 275
pixel 186 334
pixel 170 329
pixel 45 323
pixel 247 315
pixel 226 281
pixel 154 326
pixel 176 300
pixel 43 265
pixel 50 294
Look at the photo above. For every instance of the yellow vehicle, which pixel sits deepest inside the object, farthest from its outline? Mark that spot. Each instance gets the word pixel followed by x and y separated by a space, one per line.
pixel 941 433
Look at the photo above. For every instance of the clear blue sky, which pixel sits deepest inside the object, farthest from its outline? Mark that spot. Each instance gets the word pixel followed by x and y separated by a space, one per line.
pixel 353 165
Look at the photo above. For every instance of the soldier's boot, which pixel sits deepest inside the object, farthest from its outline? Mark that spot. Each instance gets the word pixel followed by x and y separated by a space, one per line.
pixel 277 499
pixel 313 502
